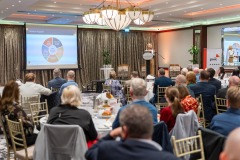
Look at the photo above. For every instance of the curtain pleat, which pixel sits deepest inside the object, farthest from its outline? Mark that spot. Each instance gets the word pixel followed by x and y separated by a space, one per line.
pixel 125 48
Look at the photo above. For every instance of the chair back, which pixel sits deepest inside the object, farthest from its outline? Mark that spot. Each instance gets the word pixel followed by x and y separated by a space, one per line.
pixel 161 101
pixel 106 88
pixel 38 110
pixel 221 104
pixel 55 89
pixel 128 95
pixel 17 135
pixel 200 113
pixel 9 147
pixel 187 146
pixel 27 100
pixel 61 142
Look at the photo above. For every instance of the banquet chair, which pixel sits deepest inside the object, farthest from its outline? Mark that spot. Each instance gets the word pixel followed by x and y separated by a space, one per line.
pixel 127 95
pixel 27 100
pixel 60 142
pixel 161 101
pixel 106 88
pixel 187 146
pixel 221 104
pixel 38 110
pixel 9 147
pixel 16 129
pixel 200 112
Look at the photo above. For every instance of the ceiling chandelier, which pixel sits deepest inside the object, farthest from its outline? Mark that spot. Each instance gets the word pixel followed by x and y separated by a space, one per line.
pixel 117 18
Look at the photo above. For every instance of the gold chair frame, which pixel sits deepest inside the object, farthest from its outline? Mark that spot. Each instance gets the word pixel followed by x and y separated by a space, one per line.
pixel 16 128
pixel 187 146
pixel 161 94
pixel 128 95
pixel 200 112
pixel 37 108
pixel 221 104
pixel 27 100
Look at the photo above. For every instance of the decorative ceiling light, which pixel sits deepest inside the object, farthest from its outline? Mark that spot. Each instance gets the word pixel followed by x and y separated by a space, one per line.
pixel 117 18
pixel 133 12
pixel 121 21
pixel 138 22
pixel 92 16
pixel 146 16
pixel 86 20
pixel 109 12
pixel 101 21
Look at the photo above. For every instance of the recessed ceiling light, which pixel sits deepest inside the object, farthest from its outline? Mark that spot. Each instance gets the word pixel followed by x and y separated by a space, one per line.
pixel 35 10
pixel 167 2
pixel 6 8
pixel 19 1
pixel 201 8
pixel 13 5
pixel 54 2
pixel 28 13
pixel 220 4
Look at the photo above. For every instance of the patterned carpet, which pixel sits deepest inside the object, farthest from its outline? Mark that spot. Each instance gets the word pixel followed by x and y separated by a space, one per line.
pixel 87 99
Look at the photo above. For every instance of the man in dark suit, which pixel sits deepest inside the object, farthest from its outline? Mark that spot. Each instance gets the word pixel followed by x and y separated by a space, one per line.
pixel 213 81
pixel 136 131
pixel 57 82
pixel 233 81
pixel 207 91
pixel 161 81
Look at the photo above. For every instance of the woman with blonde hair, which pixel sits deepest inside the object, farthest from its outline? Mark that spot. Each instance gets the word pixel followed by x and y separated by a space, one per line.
pixel 69 113
pixel 191 78
pixel 169 114
pixel 116 87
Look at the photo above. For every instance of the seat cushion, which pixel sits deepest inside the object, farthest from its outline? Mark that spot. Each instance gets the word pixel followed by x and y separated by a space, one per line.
pixel 21 153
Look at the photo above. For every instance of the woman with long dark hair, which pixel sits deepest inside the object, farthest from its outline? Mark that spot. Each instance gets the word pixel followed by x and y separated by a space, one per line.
pixel 169 113
pixel 9 105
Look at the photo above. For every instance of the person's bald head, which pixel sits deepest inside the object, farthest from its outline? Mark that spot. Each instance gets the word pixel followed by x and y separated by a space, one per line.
pixel 233 81
pixel 180 79
pixel 232 148
pixel 71 75
pixel 196 70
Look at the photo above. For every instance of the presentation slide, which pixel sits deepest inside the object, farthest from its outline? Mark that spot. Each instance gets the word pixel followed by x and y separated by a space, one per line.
pixel 51 46
pixel 231 46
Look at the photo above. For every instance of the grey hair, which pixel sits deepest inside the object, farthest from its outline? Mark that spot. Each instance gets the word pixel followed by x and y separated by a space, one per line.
pixel 138 121
pixel 56 72
pixel 138 87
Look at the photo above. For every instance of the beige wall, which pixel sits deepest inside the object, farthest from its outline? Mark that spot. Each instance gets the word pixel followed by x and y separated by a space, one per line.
pixel 174 46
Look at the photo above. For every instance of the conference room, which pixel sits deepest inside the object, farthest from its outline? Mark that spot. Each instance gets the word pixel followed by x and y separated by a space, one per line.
pixel 78 66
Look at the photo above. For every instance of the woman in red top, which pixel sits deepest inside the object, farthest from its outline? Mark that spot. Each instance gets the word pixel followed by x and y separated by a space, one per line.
pixel 187 101
pixel 169 113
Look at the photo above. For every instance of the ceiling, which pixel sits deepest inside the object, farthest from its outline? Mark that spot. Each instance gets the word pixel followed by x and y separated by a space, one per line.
pixel 169 14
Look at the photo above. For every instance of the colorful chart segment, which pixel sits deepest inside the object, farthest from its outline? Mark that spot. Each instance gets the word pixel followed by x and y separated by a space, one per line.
pixel 52 50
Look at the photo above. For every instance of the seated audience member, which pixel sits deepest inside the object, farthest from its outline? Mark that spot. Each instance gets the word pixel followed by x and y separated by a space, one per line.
pixel 161 81
pixel 134 74
pixel 221 73
pixel 181 80
pixel 235 72
pixel 212 80
pixel 225 122
pixel 187 101
pixel 184 71
pixel 191 79
pixel 136 132
pixel 138 91
pixel 30 88
pixel 169 114
pixel 69 113
pixel 207 91
pixel 196 72
pixel 233 81
pixel 232 148
pixel 70 81
pixel 9 105
pixel 116 87
pixel 57 82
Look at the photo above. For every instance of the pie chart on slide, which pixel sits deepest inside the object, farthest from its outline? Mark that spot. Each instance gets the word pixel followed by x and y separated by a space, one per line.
pixel 52 49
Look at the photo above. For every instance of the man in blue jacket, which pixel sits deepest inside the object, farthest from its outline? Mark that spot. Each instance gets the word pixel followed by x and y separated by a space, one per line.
pixel 57 82
pixel 138 91
pixel 136 132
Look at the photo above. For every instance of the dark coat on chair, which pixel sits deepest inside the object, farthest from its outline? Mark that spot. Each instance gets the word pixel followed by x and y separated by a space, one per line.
pixel 130 149
pixel 207 91
pixel 161 136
